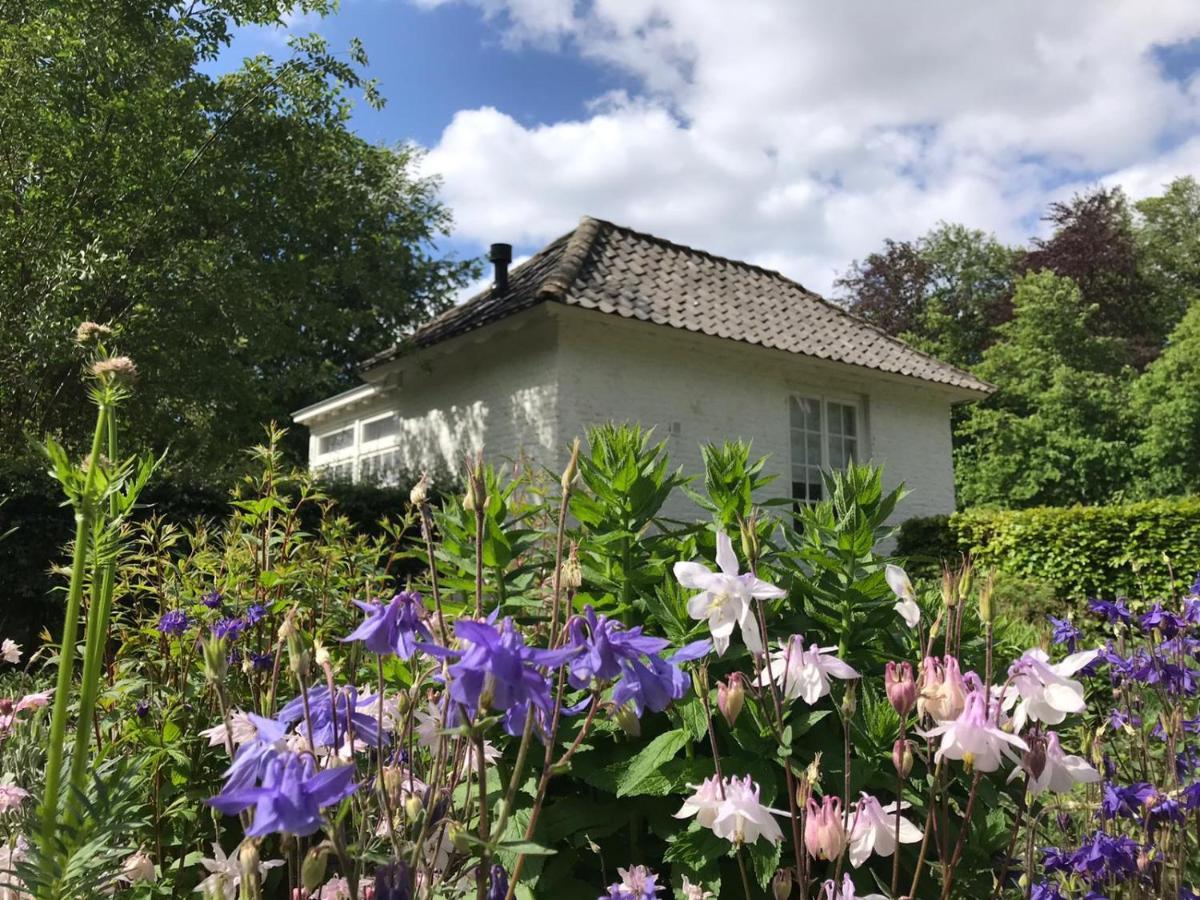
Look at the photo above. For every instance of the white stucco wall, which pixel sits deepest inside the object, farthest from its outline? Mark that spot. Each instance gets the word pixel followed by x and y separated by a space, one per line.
pixel 700 389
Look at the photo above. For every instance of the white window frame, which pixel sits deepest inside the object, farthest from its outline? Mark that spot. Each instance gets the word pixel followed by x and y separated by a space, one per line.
pixel 379 443
pixel 824 398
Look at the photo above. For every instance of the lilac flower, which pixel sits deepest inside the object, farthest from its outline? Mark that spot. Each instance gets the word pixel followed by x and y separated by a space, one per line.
pixel 1165 623
pixel 1125 802
pixel 638 883
pixel 290 797
pixel 394 627
pixel 1112 611
pixel 229 628
pixel 212 600
pixel 173 622
pixel 1065 633
pixel 334 717
pixel 255 614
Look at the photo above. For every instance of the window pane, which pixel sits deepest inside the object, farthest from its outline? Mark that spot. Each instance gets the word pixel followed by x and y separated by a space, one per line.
pixel 337 440
pixel 381 469
pixel 805 420
pixel 380 428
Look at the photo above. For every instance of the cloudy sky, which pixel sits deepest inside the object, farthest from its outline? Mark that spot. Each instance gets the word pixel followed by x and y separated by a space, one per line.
pixel 797 135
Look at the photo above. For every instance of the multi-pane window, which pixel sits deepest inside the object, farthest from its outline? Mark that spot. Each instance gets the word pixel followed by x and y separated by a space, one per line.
pixel 381 469
pixel 339 471
pixel 380 428
pixel 342 439
pixel 824 436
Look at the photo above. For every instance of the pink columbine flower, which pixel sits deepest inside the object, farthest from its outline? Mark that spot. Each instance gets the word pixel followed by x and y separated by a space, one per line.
pixel 804 673
pixel 694 891
pixel 975 738
pixel 906 601
pixel 942 689
pixel 11 797
pixel 10 651
pixel 831 891
pixel 825 828
pixel 874 830
pixel 1046 691
pixel 739 816
pixel 1060 772
pixel 726 597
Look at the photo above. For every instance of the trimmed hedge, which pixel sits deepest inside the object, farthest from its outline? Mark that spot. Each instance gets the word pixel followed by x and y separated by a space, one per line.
pixel 1080 551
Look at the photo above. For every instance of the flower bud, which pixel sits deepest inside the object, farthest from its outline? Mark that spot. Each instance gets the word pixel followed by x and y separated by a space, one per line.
pixel 824 829
pixel 320 654
pixel 115 369
pixel 1034 759
pixel 312 870
pixel 420 491
pixel 749 534
pixel 216 662
pixel 568 474
pixel 781 884
pixel 965 576
pixel 90 331
pixel 985 596
pixel 849 700
pixel 901 687
pixel 249 861
pixel 902 758
pixel 949 588
pixel 413 807
pixel 571 575
pixel 731 696
pixel 627 719
pixel 458 837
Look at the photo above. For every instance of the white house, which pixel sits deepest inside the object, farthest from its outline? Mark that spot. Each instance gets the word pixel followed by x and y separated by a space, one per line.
pixel 607 323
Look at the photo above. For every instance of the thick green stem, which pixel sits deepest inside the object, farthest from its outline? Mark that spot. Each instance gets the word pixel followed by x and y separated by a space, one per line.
pixel 84 513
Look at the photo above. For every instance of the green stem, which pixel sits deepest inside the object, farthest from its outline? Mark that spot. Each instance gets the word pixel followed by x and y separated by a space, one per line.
pixel 95 644
pixel 84 513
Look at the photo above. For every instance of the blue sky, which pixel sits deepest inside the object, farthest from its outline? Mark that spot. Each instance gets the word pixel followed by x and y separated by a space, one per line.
pixel 794 135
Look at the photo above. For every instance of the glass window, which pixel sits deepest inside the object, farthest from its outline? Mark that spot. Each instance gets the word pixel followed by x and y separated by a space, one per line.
pixel 380 428
pixel 341 471
pixel 335 441
pixel 824 435
pixel 381 469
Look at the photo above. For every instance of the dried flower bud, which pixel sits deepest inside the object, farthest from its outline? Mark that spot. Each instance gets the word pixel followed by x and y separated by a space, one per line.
pixel 568 474
pixel 90 331
pixel 781 884
pixel 949 588
pixel 420 491
pixel 965 577
pixel 249 860
pixel 320 654
pixel 1034 759
pixel 902 758
pixel 731 696
pixel 312 870
pixel 849 700
pixel 571 575
pixel 119 369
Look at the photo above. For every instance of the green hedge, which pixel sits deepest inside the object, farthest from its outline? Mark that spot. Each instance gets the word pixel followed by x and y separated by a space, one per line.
pixel 1080 551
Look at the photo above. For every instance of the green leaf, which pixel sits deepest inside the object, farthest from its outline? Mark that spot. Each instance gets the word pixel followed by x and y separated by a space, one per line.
pixel 650 759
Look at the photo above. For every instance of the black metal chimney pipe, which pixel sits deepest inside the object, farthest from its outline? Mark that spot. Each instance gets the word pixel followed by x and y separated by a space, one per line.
pixel 501 256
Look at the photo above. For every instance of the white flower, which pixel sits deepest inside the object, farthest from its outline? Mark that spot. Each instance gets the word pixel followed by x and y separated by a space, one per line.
pixel 974 737
pixel 831 891
pixel 726 597
pixel 225 874
pixel 1046 690
pixel 11 797
pixel 138 867
pixel 11 887
pixel 241 728
pixel 804 673
pixel 739 816
pixel 906 601
pixel 1060 771
pixel 10 650
pixel 874 830
pixel 695 891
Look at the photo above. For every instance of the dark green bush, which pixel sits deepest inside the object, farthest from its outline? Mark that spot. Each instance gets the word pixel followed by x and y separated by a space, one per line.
pixel 927 543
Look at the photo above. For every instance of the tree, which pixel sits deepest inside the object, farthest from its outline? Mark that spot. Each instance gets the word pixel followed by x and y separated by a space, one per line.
pixel 1056 431
pixel 1168 247
pixel 1166 402
pixel 945 293
pixel 249 246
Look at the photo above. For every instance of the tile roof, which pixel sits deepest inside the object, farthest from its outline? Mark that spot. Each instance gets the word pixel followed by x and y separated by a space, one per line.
pixel 614 269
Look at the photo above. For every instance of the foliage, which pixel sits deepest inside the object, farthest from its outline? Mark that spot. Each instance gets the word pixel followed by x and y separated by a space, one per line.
pixel 252 249
pixel 1057 429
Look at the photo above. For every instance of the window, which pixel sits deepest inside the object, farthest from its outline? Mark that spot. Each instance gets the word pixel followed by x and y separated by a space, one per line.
pixel 380 428
pixel 381 469
pixel 335 441
pixel 340 471
pixel 824 436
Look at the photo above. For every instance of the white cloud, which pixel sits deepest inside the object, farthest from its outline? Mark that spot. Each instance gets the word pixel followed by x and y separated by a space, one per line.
pixel 799 135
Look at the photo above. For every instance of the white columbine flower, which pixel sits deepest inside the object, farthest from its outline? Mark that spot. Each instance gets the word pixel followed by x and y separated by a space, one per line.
pixel 695 891
pixel 906 601
pixel 726 597
pixel 241 729
pixel 974 737
pixel 10 650
pixel 225 874
pixel 804 673
pixel 11 797
pixel 1046 690
pixel 739 816
pixel 874 830
pixel 1060 771
pixel 831 891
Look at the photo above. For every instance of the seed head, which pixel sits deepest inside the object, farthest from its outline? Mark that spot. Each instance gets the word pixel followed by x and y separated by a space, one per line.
pixel 120 369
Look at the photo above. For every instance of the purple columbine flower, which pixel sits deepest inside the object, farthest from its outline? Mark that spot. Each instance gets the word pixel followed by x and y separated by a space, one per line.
pixel 394 627
pixel 1165 623
pixel 345 711
pixel 290 797
pixel 229 628
pixel 498 884
pixel 1112 611
pixel 1125 802
pixel 1046 890
pixel 173 622
pixel 212 600
pixel 393 881
pixel 142 709
pixel 262 662
pixel 654 685
pixel 255 614
pixel 637 883
pixel 1064 633
pixel 1106 856
pixel 496 670
pixel 1055 860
